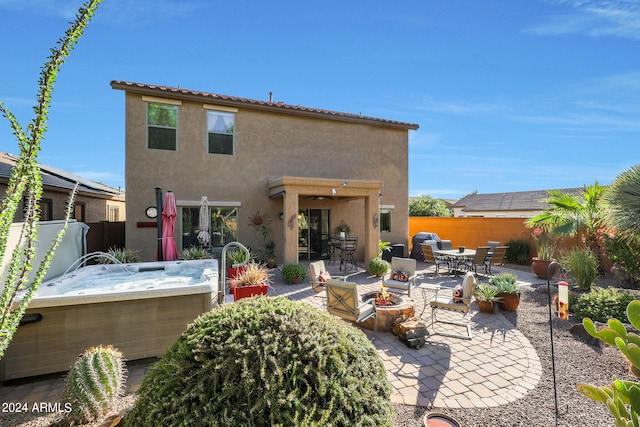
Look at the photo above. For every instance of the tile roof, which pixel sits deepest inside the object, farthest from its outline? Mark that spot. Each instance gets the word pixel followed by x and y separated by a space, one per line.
pixel 513 201
pixel 179 93
pixel 57 178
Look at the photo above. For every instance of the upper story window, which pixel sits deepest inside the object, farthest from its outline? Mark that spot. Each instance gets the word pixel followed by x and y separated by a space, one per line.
pixel 220 131
pixel 162 123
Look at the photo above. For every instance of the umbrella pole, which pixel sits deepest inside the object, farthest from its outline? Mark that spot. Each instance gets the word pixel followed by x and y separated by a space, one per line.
pixel 159 222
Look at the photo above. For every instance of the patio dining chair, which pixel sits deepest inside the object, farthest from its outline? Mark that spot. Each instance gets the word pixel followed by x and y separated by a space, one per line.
pixel 343 301
pixel 402 275
pixel 497 258
pixel 444 299
pixel 493 245
pixel 430 257
pixel 480 259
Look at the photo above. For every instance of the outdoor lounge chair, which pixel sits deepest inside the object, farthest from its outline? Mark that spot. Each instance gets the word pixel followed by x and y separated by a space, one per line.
pixel 497 258
pixel 444 299
pixel 318 275
pixel 480 259
pixel 402 275
pixel 430 258
pixel 343 301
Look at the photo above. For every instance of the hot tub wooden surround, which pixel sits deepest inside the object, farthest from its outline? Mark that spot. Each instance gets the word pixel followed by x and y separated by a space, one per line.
pixel 139 328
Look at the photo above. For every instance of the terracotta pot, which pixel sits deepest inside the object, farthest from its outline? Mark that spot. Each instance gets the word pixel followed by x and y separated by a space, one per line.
pixel 541 268
pixel 509 302
pixel 436 419
pixel 240 292
pixel 486 306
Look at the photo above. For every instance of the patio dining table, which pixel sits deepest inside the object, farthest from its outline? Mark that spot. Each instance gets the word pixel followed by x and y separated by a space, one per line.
pixel 456 256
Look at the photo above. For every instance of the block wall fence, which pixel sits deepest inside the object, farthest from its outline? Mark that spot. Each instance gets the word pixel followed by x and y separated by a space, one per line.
pixel 474 232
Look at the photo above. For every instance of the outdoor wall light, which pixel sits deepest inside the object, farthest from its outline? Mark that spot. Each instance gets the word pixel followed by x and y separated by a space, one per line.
pixel 333 191
pixel 281 216
pixel 345 183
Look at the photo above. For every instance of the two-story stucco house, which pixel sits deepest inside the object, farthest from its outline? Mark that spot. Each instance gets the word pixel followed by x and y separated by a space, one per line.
pixel 301 170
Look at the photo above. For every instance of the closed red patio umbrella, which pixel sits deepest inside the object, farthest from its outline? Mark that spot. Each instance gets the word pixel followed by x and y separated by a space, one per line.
pixel 169 249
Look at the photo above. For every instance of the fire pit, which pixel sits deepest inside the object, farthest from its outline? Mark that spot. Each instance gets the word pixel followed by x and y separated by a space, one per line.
pixel 390 310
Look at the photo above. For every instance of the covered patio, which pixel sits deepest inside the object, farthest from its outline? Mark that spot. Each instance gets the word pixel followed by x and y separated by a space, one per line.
pixel 333 193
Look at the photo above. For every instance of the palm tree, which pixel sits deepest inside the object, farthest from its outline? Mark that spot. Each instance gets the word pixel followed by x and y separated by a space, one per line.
pixel 623 199
pixel 568 214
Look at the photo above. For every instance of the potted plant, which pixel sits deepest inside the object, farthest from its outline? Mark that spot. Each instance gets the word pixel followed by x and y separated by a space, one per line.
pixel 487 296
pixel 253 280
pixel 378 267
pixel 235 257
pixel 508 292
pixel 343 229
pixel 294 273
pixel 270 253
pixel 546 245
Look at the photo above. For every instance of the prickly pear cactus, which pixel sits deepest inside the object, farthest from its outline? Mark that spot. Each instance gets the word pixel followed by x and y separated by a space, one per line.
pixel 622 397
pixel 94 382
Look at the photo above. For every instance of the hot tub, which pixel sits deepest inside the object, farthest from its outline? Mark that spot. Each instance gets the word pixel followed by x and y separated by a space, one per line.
pixel 140 308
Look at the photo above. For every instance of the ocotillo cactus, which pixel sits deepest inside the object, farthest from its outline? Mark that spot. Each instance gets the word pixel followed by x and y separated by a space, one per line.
pixel 622 397
pixel 94 382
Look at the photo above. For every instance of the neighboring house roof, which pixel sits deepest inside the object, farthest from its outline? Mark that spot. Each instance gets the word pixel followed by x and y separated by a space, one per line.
pixel 279 107
pixel 57 178
pixel 514 201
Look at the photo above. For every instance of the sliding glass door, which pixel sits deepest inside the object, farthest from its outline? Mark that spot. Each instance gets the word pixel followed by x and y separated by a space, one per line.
pixel 313 234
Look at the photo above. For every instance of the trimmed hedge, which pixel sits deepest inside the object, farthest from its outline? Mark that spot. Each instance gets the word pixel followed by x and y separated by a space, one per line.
pixel 266 361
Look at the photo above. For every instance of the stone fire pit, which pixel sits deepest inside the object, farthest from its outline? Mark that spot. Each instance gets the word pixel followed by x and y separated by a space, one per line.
pixel 388 315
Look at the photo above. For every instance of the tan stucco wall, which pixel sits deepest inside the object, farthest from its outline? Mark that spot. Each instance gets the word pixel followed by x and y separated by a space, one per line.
pixel 268 145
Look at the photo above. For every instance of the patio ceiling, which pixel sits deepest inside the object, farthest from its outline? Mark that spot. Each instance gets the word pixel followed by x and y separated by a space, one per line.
pixel 329 188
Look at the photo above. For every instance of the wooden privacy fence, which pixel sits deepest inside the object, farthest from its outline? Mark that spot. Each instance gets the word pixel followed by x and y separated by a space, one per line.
pixel 104 235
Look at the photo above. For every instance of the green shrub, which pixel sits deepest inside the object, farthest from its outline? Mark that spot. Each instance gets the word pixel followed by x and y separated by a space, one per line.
pixel 125 256
pixel 518 251
pixel 266 361
pixel 583 265
pixel 294 273
pixel 94 383
pixel 600 305
pixel 625 255
pixel 195 253
pixel 378 266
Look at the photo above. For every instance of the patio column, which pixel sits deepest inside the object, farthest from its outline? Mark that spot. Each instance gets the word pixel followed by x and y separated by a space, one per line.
pixel 371 226
pixel 290 226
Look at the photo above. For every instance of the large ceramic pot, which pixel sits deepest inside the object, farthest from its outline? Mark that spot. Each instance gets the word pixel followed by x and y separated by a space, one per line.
pixel 541 268
pixel 508 302
pixel 486 306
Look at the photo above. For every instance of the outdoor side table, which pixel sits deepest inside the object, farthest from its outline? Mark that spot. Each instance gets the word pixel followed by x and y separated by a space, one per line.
pixel 427 287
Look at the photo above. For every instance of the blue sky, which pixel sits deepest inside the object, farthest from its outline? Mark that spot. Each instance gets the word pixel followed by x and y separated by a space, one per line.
pixel 509 95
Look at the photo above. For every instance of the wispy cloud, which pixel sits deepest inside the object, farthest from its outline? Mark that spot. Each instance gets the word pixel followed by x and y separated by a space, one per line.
pixel 595 18
pixel 458 108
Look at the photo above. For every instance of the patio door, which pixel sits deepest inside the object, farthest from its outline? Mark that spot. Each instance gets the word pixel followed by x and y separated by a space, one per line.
pixel 313 234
